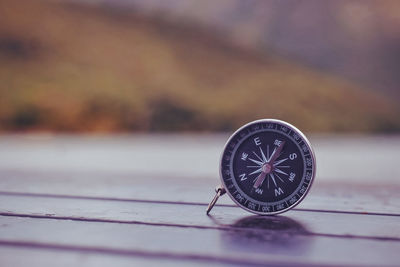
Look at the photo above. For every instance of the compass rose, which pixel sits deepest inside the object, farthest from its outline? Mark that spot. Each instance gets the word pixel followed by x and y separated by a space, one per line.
pixel 268 167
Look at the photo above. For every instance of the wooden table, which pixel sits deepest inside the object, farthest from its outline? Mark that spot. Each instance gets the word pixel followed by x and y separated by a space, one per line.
pixel 124 200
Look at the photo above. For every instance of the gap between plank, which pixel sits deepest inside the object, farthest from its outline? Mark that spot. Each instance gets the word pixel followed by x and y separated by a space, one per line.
pixel 221 227
pixel 46 195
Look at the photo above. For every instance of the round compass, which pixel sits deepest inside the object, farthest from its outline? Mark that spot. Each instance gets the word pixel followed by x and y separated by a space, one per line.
pixel 267 167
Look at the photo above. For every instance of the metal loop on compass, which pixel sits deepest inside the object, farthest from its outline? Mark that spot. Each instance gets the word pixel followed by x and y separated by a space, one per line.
pixel 219 192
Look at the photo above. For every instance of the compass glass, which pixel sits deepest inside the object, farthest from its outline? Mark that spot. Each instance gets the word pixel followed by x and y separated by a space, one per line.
pixel 267 166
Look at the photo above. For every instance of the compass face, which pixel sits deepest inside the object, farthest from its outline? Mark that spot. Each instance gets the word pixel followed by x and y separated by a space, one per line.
pixel 267 166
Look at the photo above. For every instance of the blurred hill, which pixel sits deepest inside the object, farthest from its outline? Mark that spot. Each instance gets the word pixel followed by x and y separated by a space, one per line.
pixel 76 67
pixel 356 39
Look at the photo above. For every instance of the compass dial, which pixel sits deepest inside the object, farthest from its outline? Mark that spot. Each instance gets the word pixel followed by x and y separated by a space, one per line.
pixel 267 166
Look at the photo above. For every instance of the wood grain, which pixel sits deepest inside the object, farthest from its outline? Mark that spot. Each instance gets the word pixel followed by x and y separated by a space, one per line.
pixel 67 211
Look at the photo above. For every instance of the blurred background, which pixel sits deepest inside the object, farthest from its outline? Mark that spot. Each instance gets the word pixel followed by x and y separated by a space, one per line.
pixel 150 65
pixel 110 107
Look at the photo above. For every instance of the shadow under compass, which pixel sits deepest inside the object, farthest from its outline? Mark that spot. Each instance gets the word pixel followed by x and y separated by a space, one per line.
pixel 272 235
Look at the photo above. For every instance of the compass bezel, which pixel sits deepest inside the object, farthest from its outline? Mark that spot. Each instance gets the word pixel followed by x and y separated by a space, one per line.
pixel 266 121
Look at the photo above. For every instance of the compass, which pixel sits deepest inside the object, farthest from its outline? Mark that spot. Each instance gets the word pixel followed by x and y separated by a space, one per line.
pixel 267 167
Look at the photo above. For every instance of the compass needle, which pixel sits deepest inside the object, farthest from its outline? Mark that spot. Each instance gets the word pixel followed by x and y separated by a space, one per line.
pixel 260 179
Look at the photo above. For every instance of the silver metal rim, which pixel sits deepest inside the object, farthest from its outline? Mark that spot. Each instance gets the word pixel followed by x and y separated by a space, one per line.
pixel 311 153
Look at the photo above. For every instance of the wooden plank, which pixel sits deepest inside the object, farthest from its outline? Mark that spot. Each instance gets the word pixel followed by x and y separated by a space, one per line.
pixel 339 158
pixel 322 223
pixel 130 166
pixel 105 199
pixel 323 196
pixel 27 254
pixel 283 244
